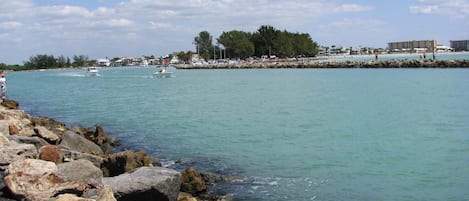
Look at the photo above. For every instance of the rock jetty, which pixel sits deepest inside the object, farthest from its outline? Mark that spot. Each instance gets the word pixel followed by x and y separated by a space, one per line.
pixel 332 64
pixel 42 159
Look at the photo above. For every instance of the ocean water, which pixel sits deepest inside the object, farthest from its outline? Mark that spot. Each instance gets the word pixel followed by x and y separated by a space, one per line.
pixel 290 134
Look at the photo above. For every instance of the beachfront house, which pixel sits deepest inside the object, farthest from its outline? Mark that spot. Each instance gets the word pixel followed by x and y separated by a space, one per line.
pixel 103 62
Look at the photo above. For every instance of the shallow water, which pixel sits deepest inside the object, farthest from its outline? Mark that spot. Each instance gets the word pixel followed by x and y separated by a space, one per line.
pixel 293 134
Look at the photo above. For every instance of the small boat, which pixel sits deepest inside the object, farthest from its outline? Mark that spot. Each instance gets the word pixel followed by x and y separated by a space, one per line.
pixel 92 70
pixel 163 72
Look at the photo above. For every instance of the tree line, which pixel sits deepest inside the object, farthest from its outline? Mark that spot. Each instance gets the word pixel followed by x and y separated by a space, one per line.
pixel 45 61
pixel 267 40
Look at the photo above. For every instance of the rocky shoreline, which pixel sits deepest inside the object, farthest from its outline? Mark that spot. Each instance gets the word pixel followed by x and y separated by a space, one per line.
pixel 42 159
pixel 333 64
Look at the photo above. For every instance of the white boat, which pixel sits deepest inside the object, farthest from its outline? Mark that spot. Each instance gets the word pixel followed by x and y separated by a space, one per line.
pixel 163 72
pixel 92 70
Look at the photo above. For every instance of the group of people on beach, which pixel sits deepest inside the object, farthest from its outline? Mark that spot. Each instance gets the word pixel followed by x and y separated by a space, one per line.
pixel 3 85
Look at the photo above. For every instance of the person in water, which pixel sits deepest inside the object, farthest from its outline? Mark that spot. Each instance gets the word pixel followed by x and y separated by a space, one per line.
pixel 3 84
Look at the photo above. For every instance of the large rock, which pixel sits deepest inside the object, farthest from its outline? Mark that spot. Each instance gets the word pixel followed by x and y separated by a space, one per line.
pixel 80 170
pixel 36 141
pixel 50 124
pixel 71 155
pixel 146 183
pixel 38 180
pixel 33 180
pixel 50 153
pixel 31 167
pixel 192 182
pixel 10 104
pixel 98 136
pixel 11 151
pixel 118 163
pixel 47 134
pixel 79 143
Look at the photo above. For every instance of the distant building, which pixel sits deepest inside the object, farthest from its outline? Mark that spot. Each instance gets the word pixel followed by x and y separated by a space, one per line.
pixel 413 46
pixel 459 45
pixel 103 62
pixel 442 48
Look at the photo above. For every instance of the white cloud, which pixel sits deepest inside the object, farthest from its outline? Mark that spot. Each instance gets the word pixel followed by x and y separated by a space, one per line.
pixel 453 8
pixel 352 8
pixel 355 24
pixel 10 25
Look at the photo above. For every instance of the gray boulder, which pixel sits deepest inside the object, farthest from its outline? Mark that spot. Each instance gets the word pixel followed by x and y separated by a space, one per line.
pixel 36 141
pixel 79 143
pixel 146 183
pixel 80 170
pixel 11 151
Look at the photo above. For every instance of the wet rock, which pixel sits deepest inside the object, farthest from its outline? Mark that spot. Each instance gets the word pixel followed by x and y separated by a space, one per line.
pixel 183 196
pixel 79 143
pixel 50 124
pixel 10 104
pixel 98 136
pixel 212 178
pixel 192 182
pixel 146 183
pixel 118 163
pixel 50 153
pixel 80 170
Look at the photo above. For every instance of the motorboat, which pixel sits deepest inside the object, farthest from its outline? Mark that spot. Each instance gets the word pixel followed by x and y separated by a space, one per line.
pixel 163 72
pixel 92 71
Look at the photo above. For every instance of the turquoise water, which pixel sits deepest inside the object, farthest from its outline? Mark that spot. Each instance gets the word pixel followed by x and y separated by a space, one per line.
pixel 293 134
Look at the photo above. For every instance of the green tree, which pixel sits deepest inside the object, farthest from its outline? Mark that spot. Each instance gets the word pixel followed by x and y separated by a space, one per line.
pixel 237 44
pixel 80 60
pixel 263 40
pixel 41 61
pixel 185 56
pixel 204 45
pixel 304 45
pixel 61 62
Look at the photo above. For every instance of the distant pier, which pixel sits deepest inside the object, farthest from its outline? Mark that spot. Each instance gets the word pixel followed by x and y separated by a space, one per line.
pixel 333 64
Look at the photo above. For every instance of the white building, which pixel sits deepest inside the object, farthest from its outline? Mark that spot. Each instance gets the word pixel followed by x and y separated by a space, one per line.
pixel 103 62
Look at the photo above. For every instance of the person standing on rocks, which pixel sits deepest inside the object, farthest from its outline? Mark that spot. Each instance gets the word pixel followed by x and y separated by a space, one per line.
pixel 3 84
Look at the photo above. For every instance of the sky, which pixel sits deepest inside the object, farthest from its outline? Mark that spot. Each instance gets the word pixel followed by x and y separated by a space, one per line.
pixel 118 28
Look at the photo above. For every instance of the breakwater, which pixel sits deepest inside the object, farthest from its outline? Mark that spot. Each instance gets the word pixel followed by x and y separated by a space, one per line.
pixel 43 159
pixel 334 64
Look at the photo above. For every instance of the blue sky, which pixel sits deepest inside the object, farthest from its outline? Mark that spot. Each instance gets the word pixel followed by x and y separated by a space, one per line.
pixel 116 28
